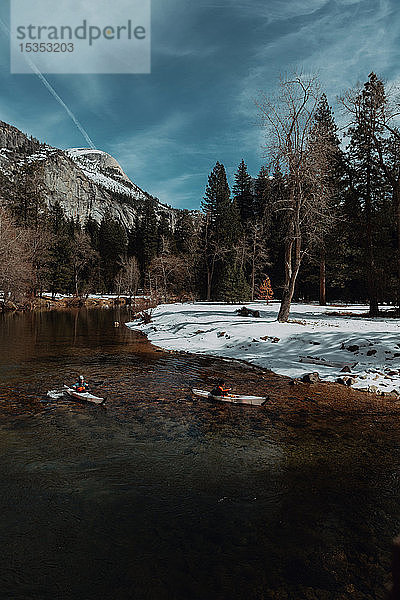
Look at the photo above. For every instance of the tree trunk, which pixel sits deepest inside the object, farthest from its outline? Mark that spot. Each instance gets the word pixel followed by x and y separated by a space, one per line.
pixel 253 268
pixel 210 274
pixel 322 279
pixel 164 279
pixel 373 307
pixel 371 275
pixel 292 266
pixel 397 213
pixel 287 297
pixel 76 284
pixel 284 309
pixel 208 284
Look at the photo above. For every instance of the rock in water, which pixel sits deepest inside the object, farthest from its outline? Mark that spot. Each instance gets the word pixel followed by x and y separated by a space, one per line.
pixel 310 378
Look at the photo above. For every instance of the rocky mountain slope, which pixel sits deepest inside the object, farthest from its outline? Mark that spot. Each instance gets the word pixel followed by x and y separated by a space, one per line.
pixel 85 182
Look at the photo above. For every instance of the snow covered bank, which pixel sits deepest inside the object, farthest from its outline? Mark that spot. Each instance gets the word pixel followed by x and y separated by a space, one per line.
pixel 314 339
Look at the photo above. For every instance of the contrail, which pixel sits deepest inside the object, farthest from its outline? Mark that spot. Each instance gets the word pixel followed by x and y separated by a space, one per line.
pixel 61 102
pixel 53 92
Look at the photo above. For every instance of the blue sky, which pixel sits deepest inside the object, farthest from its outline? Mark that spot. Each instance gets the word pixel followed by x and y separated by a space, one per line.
pixel 210 59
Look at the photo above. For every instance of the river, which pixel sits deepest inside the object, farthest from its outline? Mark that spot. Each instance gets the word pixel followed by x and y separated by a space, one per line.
pixel 161 496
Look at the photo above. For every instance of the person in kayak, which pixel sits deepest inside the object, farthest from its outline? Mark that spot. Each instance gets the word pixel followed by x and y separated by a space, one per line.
pixel 81 385
pixel 220 389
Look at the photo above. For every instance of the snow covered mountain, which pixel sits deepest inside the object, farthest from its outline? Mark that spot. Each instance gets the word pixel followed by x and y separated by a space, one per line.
pixel 86 182
pixel 103 170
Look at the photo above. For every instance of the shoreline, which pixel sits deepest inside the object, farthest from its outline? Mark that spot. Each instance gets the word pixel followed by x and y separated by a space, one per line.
pixel 286 393
pixel 350 352
pixel 75 302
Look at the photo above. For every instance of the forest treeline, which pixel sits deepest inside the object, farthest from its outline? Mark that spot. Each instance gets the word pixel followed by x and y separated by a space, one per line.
pixel 321 219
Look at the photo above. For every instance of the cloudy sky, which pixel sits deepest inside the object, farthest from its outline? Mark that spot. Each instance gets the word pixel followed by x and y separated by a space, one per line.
pixel 210 59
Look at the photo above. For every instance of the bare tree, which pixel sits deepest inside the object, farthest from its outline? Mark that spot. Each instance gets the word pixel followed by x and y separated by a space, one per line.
pixel 83 257
pixel 38 242
pixel 128 278
pixel 169 270
pixel 15 264
pixel 289 123
pixel 258 252
pixel 251 252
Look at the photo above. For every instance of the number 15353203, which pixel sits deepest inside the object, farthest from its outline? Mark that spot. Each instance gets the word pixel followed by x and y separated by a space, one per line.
pixel 46 47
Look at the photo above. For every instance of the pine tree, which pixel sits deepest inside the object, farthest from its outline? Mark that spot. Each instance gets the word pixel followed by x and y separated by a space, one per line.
pixel 367 178
pixel 217 200
pixel 133 239
pixel 325 136
pixel 382 130
pixel 27 204
pixel 265 291
pixel 184 232
pixel 276 227
pixel 112 247
pixel 232 286
pixel 243 194
pixel 221 227
pixel 60 252
pixel 147 236
pixel 92 229
pixel 262 196
pixel 164 232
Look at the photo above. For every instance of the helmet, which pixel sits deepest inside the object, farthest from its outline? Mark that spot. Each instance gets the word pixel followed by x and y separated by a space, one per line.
pixel 221 382
pixel 81 378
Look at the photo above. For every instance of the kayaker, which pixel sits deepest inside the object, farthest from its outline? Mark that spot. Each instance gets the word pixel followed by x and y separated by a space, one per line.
pixel 220 389
pixel 81 385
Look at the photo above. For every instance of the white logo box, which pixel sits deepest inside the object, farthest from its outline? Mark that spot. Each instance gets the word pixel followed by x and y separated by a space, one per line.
pixel 80 36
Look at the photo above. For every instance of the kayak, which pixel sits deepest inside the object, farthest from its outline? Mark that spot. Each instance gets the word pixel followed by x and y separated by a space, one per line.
pixel 232 398
pixel 83 396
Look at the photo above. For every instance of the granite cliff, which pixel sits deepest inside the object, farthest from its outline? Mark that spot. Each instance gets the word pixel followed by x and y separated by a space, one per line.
pixel 85 182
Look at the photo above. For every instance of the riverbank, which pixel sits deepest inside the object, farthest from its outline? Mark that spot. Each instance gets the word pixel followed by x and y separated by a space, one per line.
pixel 287 402
pixel 62 302
pixel 340 343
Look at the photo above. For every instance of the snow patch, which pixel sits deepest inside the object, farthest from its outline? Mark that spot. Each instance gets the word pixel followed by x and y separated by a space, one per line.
pixel 312 340
pixel 90 160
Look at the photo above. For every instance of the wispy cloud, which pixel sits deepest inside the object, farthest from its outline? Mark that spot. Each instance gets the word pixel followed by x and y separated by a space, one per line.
pixel 341 48
pixel 150 157
pixel 157 141
pixel 177 191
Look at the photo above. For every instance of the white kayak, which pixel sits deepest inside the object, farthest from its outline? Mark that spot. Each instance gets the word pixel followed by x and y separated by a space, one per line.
pixel 232 398
pixel 83 396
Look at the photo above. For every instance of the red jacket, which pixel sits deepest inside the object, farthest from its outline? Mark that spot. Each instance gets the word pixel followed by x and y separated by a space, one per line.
pixel 221 391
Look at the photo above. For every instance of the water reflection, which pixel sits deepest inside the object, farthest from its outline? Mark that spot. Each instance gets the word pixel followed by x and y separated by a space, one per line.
pixel 162 496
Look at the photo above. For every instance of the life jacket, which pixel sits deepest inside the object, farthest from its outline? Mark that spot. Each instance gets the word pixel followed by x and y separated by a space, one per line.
pixel 220 391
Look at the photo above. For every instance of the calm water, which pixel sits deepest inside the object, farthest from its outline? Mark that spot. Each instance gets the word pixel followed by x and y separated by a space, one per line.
pixel 160 496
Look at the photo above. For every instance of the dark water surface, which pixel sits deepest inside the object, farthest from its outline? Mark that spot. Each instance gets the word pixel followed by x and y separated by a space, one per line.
pixel 160 496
